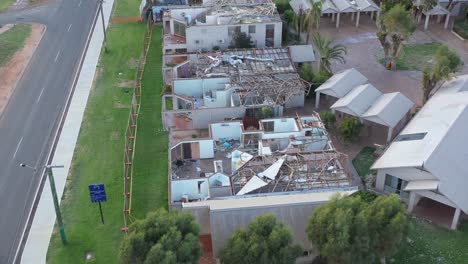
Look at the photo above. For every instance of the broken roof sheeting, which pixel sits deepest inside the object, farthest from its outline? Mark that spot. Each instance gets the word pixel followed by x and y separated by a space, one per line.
pixel 342 83
pixel 358 100
pixel 253 184
pixel 389 109
pixel 273 170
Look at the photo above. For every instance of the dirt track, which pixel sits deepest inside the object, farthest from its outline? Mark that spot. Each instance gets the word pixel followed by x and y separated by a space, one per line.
pixel 11 72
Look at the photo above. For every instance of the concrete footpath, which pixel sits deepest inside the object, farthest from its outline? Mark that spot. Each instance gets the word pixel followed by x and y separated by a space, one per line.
pixel 35 250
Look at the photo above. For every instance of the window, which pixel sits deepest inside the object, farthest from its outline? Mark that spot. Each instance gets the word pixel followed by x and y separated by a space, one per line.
pixel 252 29
pixel 270 35
pixel 197 42
pixel 410 137
pixel 234 29
pixel 395 185
pixel 179 29
pixel 199 186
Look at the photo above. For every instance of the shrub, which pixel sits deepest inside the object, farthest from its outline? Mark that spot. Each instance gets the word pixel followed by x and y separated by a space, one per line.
pixel 328 118
pixel 264 112
pixel 350 128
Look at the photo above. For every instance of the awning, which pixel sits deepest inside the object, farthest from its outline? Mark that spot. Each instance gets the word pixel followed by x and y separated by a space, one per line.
pixel 425 185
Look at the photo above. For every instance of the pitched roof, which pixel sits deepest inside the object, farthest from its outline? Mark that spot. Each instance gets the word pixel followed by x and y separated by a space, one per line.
pixel 342 83
pixel 443 150
pixel 388 109
pixel 358 100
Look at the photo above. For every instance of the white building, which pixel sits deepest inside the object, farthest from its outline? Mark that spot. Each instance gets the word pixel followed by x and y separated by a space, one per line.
pixel 215 86
pixel 212 27
pixel 428 158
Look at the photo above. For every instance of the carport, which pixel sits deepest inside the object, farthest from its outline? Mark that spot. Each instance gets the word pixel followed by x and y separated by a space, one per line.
pixel 359 98
pixel 337 7
pixel 340 84
pixel 438 11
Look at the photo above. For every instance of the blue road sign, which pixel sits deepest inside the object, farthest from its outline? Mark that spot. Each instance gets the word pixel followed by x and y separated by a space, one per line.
pixel 97 192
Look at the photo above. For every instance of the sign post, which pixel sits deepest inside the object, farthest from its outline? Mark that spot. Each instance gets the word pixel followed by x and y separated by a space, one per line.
pixel 98 195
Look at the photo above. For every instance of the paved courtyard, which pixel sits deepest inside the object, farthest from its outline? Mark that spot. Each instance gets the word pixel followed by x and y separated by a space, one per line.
pixel 364 51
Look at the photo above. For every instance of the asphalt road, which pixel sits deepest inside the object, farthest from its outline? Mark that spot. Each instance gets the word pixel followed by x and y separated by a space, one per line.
pixel 31 117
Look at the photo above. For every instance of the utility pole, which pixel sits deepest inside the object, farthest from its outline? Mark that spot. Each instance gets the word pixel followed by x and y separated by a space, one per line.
pixel 54 196
pixel 103 25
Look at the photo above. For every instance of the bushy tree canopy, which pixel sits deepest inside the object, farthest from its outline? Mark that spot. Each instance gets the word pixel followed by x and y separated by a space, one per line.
pixel 446 63
pixel 395 26
pixel 328 52
pixel 328 118
pixel 352 230
pixel 265 241
pixel 350 128
pixel 241 40
pixel 162 237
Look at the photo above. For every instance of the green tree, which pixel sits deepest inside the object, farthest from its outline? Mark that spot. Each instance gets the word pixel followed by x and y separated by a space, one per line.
pixel 312 17
pixel 446 63
pixel 162 237
pixel 289 17
pixel 351 229
pixel 241 40
pixel 338 231
pixel 264 112
pixel 328 52
pixel 307 73
pixel 350 128
pixel 264 241
pixel 387 224
pixel 328 118
pixel 395 26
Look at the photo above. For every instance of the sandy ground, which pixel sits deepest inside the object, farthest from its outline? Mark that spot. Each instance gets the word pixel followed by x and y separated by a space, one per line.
pixel 11 72
pixel 21 4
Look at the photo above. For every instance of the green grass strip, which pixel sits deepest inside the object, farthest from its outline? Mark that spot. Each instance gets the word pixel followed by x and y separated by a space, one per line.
pixel 150 188
pixel 13 40
pixel 99 155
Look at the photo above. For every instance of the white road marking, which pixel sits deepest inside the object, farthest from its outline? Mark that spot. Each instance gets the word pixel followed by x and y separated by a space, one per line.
pixel 39 98
pixel 68 30
pixel 79 4
pixel 56 56
pixel 17 147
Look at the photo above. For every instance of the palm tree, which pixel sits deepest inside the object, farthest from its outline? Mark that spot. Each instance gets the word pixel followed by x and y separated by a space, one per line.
pixel 327 52
pixel 312 17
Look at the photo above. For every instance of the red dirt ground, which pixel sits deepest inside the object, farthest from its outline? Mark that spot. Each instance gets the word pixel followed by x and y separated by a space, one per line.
pixel 11 72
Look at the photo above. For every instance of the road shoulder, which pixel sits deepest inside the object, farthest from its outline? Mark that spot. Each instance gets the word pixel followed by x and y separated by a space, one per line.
pixel 12 71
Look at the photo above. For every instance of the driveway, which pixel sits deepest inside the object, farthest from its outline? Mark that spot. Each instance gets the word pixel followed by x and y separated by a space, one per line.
pixel 364 50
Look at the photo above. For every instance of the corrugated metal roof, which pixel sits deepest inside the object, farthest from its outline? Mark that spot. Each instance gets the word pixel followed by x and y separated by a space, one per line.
pixel 358 100
pixel 342 83
pixel 389 109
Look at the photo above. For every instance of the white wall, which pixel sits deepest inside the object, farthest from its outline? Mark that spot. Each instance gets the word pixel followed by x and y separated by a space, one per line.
pixel 206 149
pixel 195 87
pixel 202 118
pixel 190 188
pixel 217 35
pixel 295 101
pixel 221 99
pixel 219 177
pixel 407 174
pixel 231 130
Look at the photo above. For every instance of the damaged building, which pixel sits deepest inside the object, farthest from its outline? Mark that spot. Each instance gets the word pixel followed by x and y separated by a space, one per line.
pixel 225 85
pixel 233 171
